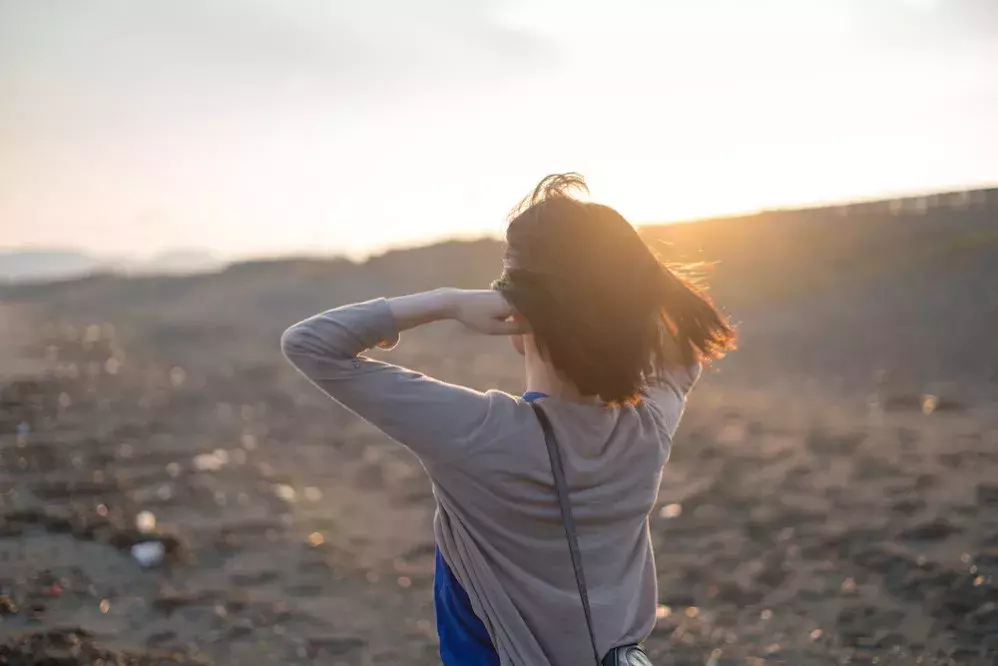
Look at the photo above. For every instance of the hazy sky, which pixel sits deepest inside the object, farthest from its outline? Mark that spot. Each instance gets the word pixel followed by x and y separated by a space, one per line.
pixel 276 126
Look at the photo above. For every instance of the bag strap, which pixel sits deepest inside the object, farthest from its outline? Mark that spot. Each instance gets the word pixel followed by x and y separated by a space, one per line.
pixel 569 521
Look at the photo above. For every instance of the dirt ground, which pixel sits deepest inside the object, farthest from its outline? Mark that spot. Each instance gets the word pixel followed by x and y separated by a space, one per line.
pixel 790 530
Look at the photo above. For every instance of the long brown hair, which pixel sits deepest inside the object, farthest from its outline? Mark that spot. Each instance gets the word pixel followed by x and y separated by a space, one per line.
pixel 607 313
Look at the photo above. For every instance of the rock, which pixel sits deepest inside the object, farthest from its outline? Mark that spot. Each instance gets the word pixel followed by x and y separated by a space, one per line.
pixel 241 628
pixel 985 618
pixel 987 494
pixel 968 597
pixel 10 529
pixel 876 559
pixel 923 481
pixel 169 600
pixel 858 625
pixel 250 579
pixel 420 551
pixel 738 595
pixel 951 460
pixel 963 654
pixel 934 530
pixel 334 645
pixel 58 656
pixel 149 553
pixel 56 521
pixel 159 638
pixel 7 607
pixel 909 505
pixel 678 600
pixel 891 640
pixel 174 549
pixel 75 647
pixel 911 584
pixel 145 522
pixel 826 444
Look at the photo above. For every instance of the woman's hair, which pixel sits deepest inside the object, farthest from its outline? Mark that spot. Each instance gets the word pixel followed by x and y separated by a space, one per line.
pixel 606 313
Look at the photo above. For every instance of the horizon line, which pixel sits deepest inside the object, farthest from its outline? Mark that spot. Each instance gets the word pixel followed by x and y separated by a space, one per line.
pixel 896 195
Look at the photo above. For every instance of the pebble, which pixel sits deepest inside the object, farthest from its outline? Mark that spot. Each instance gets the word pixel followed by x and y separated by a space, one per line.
pixel 149 553
pixel 145 521
pixel 671 511
pixel 7 607
pixel 285 492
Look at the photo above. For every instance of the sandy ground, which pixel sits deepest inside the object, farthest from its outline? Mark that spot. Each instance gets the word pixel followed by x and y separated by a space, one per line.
pixel 789 530
pixel 16 338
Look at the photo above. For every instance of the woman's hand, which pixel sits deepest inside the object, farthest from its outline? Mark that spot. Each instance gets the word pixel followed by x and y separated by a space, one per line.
pixel 481 310
pixel 486 311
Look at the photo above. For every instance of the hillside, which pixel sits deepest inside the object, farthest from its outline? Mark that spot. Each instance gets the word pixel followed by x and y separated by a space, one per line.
pixel 47 265
pixel 842 293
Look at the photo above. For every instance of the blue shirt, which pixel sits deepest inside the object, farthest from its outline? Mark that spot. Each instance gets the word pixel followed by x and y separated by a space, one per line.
pixel 464 640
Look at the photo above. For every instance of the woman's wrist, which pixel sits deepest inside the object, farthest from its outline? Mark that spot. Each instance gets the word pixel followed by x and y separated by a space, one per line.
pixel 445 302
pixel 423 308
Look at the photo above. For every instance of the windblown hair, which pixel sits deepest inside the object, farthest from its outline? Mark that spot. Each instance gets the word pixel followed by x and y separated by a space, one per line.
pixel 608 315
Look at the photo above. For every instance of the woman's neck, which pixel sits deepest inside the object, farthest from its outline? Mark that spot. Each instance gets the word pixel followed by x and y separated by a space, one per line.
pixel 542 378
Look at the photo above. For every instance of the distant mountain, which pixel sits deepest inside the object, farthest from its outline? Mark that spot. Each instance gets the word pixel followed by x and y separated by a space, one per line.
pixel 50 265
pixel 173 262
pixel 44 265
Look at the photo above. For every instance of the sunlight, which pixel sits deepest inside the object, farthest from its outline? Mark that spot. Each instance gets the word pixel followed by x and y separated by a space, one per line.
pixel 669 112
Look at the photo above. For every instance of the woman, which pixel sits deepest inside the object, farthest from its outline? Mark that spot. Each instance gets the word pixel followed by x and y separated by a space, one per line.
pixel 612 342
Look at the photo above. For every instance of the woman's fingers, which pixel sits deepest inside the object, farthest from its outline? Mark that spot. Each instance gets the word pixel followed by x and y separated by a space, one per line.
pixel 504 324
pixel 488 312
pixel 507 327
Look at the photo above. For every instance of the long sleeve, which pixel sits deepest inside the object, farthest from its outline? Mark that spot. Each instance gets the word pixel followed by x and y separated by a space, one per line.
pixel 669 395
pixel 439 422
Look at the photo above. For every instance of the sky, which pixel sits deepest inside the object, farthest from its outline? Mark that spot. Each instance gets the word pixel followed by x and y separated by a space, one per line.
pixel 253 127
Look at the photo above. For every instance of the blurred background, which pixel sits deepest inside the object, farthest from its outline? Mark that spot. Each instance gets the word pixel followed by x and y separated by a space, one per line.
pixel 180 181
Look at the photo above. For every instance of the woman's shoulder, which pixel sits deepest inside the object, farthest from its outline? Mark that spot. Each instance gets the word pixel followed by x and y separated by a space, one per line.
pixel 666 397
pixel 505 414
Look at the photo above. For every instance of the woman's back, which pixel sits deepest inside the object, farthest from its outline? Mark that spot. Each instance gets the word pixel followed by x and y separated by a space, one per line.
pixel 499 525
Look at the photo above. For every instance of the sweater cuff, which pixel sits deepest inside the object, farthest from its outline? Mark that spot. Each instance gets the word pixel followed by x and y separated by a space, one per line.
pixel 383 329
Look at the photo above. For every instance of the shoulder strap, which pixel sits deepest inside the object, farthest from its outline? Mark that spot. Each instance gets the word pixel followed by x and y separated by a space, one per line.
pixel 566 517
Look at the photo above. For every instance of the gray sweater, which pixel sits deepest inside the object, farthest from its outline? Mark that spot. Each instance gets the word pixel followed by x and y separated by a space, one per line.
pixel 497 522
